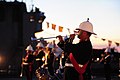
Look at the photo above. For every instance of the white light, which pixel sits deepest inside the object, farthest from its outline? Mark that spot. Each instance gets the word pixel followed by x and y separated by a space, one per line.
pixel 39 21
pixel 98 59
pixel 31 20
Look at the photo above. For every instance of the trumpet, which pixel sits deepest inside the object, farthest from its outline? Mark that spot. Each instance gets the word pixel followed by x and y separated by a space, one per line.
pixel 76 31
pixel 35 39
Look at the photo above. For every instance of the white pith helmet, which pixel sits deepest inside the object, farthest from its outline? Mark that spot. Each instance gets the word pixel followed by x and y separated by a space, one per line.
pixel 86 26
pixel 40 45
pixel 29 48
pixel 49 45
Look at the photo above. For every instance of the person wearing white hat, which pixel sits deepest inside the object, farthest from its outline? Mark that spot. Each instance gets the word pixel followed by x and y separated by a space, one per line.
pixel 50 58
pixel 40 45
pixel 106 60
pixel 29 48
pixel 28 62
pixel 39 55
pixel 57 52
pixel 79 55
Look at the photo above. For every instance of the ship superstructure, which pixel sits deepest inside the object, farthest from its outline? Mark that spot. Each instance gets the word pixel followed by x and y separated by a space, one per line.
pixel 17 26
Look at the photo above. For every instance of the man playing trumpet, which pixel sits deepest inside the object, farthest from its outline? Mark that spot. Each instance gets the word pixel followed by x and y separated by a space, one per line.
pixel 79 55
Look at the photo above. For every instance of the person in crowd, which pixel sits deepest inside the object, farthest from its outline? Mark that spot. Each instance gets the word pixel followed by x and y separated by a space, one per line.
pixel 117 52
pixel 50 58
pixel 79 54
pixel 27 63
pixel 39 55
pixel 106 60
pixel 117 56
pixel 117 48
pixel 57 52
pixel 62 62
pixel 109 49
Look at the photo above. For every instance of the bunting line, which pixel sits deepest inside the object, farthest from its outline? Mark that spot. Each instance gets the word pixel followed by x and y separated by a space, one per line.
pixel 109 41
pixel 54 27
pixel 60 29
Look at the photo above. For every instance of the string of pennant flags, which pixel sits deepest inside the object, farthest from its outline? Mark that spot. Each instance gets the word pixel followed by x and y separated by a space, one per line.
pixel 60 29
pixel 109 41
pixel 54 27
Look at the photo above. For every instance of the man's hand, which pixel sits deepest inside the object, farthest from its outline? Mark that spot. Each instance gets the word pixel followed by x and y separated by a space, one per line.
pixel 72 36
pixel 60 38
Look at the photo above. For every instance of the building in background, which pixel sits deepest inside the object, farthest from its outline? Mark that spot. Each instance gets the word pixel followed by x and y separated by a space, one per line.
pixel 17 26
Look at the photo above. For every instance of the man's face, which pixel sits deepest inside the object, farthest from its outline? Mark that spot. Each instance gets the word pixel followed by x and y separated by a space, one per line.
pixel 39 48
pixel 83 35
pixel 80 33
pixel 28 51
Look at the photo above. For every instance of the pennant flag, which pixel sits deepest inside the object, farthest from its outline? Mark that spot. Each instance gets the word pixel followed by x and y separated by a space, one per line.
pixel 47 24
pixel 117 43
pixel 60 28
pixel 103 39
pixel 109 41
pixel 53 26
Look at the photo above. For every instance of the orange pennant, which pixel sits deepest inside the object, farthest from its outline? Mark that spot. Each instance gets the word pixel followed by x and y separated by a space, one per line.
pixel 60 28
pixel 53 26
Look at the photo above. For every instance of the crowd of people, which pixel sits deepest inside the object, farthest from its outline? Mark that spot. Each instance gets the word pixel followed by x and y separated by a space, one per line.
pixel 73 61
pixel 42 57
pixel 110 58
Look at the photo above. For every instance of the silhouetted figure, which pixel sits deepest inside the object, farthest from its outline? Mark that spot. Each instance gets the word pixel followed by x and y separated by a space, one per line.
pixel 50 59
pixel 106 60
pixel 39 55
pixel 28 63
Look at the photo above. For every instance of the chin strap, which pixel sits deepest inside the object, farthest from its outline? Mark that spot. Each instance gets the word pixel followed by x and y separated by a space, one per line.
pixel 79 69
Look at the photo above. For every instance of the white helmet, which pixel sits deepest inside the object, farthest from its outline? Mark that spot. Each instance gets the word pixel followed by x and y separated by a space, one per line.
pixel 86 26
pixel 29 48
pixel 49 45
pixel 40 45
